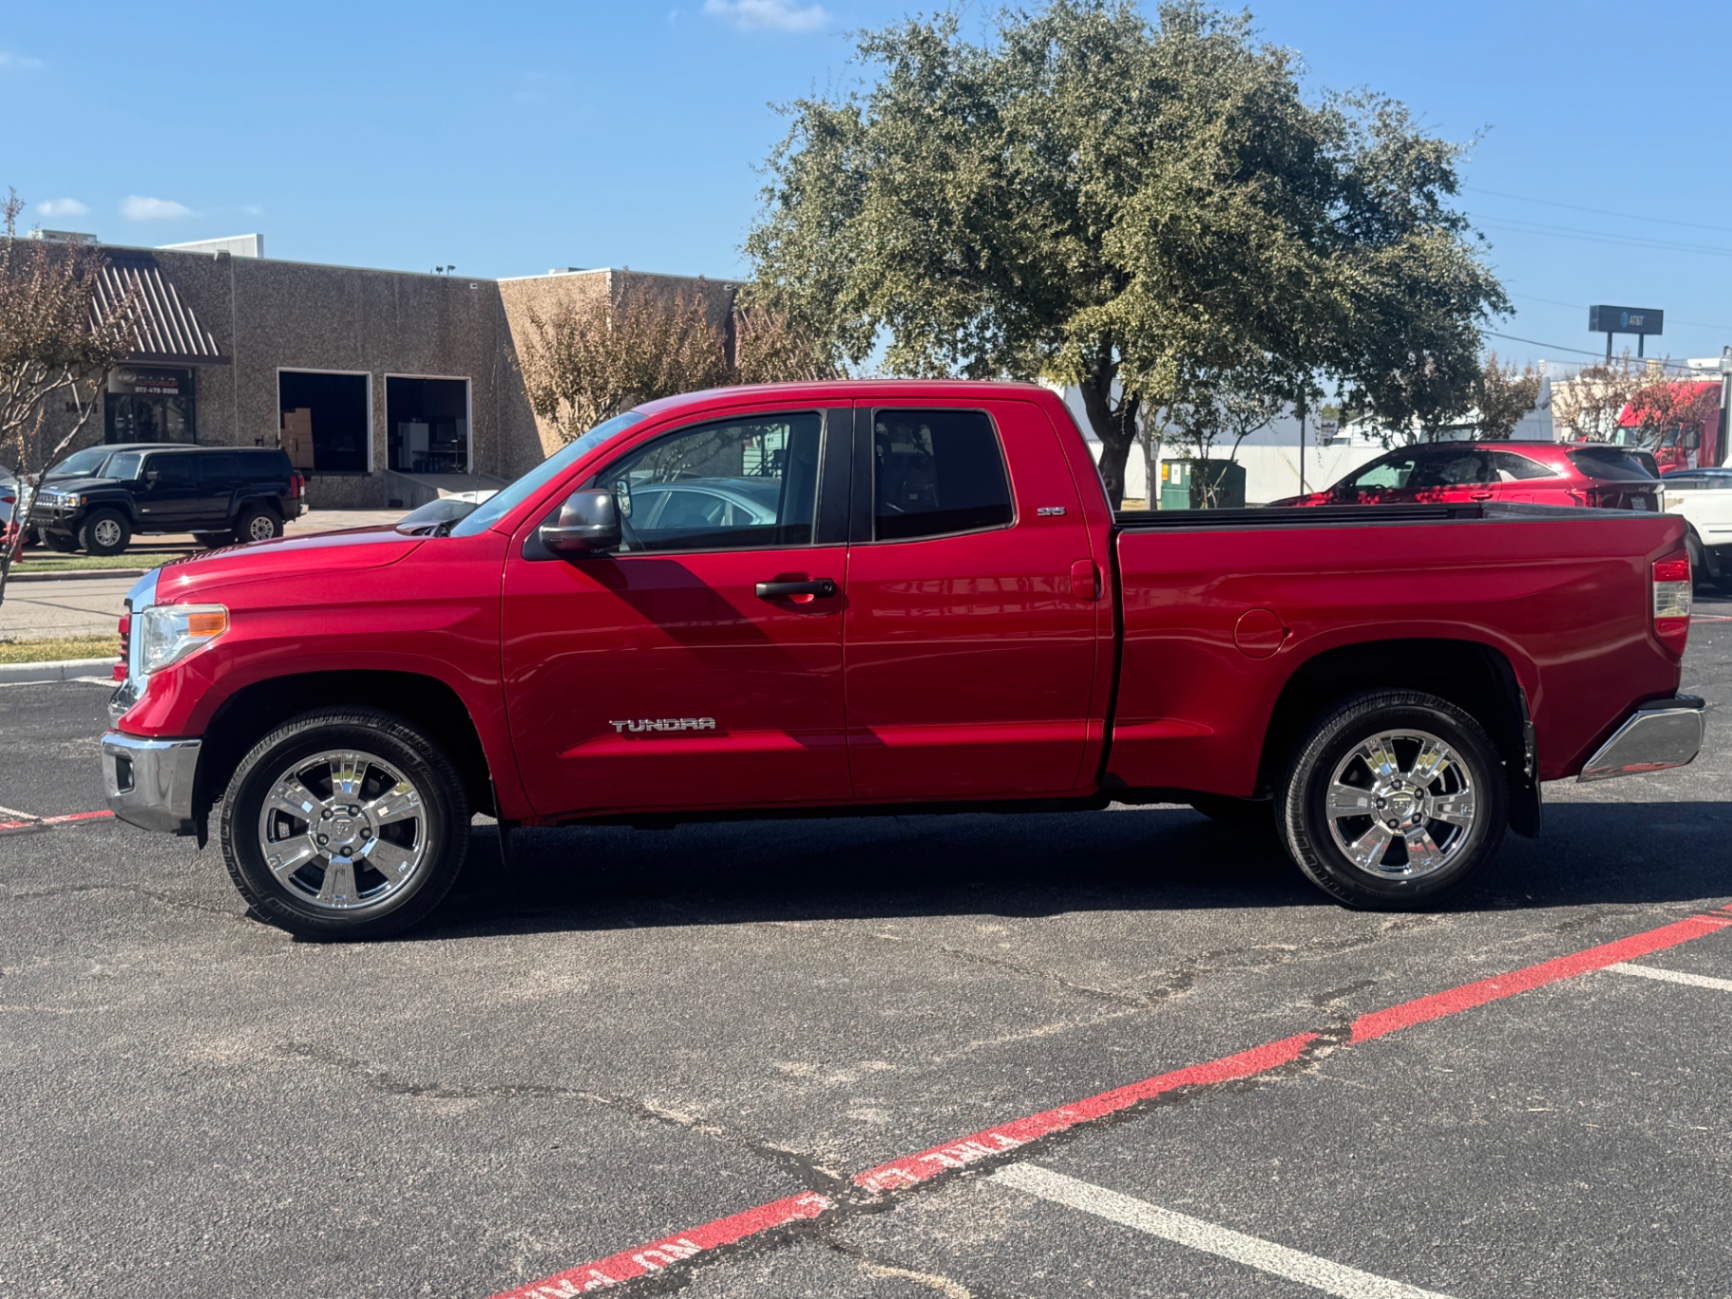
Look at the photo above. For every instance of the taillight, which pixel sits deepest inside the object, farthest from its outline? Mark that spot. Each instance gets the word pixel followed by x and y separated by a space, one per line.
pixel 297 485
pixel 1672 594
pixel 125 647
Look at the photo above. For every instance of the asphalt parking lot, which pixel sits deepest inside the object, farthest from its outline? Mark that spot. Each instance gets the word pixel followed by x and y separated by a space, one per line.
pixel 1128 1054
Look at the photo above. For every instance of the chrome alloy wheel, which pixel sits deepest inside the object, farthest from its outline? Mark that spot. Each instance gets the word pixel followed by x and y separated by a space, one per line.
pixel 106 533
pixel 260 528
pixel 343 830
pixel 1401 805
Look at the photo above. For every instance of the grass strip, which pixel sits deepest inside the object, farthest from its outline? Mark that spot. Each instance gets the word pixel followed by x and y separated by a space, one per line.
pixel 54 649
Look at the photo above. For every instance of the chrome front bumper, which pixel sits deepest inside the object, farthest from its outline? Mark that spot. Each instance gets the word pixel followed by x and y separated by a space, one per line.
pixel 1664 733
pixel 150 782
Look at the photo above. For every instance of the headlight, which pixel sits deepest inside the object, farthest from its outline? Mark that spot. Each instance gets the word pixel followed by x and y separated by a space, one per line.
pixel 168 633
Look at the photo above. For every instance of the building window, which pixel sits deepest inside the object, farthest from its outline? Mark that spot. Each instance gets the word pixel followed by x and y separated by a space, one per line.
pixel 325 420
pixel 149 404
pixel 427 422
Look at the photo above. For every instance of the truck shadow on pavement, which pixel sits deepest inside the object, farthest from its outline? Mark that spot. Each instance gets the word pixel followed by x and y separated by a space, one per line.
pixel 1165 859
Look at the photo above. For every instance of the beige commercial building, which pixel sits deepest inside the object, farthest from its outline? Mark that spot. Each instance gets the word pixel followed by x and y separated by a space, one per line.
pixel 391 386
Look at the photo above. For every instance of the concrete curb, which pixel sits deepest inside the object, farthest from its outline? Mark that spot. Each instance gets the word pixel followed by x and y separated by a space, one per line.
pixel 14 674
pixel 77 574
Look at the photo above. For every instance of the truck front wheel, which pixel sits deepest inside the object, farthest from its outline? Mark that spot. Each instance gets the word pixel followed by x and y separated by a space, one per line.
pixel 1394 798
pixel 348 823
pixel 105 532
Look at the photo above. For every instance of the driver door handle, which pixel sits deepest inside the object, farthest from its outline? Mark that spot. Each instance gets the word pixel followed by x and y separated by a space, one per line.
pixel 820 587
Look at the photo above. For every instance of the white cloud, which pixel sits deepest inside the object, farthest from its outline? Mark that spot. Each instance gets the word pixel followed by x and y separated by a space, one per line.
pixel 10 62
pixel 61 207
pixel 769 15
pixel 135 208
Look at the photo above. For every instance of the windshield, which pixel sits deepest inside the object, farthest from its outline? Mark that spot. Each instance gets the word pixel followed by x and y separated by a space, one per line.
pixel 496 507
pixel 125 465
pixel 81 463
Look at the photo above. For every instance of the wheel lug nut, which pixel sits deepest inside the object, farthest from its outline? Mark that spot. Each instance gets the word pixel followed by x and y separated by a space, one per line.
pixel 323 840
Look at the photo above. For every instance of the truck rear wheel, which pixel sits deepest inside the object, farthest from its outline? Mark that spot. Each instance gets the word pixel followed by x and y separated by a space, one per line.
pixel 348 823
pixel 1393 799
pixel 258 524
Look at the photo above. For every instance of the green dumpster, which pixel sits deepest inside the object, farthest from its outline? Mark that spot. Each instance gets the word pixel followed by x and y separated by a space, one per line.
pixel 1186 484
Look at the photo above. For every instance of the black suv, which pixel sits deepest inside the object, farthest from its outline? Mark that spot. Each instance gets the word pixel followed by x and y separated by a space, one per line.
pixel 217 494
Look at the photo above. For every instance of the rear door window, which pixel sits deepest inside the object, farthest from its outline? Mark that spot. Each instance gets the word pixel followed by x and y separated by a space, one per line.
pixel 937 473
pixel 1451 469
pixel 172 470
pixel 1513 467
pixel 1611 464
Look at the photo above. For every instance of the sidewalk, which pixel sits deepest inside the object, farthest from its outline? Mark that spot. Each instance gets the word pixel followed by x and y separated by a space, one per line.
pixel 80 605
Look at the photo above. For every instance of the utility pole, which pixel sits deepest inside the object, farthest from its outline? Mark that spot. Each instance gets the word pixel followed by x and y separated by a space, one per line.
pixel 1302 488
pixel 1725 405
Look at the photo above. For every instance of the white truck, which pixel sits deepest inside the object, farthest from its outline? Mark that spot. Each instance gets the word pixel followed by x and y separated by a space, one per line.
pixel 1703 497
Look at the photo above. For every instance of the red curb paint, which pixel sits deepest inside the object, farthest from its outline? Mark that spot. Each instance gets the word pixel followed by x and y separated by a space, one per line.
pixel 607 1272
pixel 928 1164
pixel 37 822
pixel 1469 995
pixel 955 1155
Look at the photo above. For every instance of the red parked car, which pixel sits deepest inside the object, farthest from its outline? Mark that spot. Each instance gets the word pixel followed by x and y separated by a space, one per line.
pixel 886 597
pixel 1539 473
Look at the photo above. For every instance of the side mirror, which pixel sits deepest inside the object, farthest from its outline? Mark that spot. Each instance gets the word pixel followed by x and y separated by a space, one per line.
pixel 587 523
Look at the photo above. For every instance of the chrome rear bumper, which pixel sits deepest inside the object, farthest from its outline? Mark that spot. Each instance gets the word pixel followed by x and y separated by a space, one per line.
pixel 1658 735
pixel 150 782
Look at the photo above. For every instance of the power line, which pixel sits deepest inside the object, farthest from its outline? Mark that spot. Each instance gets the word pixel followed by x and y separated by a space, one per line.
pixel 1577 306
pixel 1604 237
pixel 1582 351
pixel 1599 211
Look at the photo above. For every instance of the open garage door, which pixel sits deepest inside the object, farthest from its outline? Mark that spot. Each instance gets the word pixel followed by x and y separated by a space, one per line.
pixel 331 411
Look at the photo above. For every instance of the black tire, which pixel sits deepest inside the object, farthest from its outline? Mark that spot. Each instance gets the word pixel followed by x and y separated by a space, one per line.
pixel 104 532
pixel 440 824
pixel 1392 880
pixel 258 523
pixel 1240 815
pixel 211 540
pixel 59 542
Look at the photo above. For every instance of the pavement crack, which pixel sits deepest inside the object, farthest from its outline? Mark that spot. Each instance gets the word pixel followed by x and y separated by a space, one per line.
pixel 881 1268
pixel 807 1171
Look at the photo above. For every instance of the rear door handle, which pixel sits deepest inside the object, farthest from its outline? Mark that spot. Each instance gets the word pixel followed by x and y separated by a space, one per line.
pixel 821 587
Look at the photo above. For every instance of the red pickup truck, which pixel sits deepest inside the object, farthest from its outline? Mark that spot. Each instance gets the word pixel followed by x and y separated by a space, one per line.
pixel 858 598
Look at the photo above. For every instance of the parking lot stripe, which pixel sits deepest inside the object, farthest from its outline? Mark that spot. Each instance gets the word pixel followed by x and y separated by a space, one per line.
pixel 672 1249
pixel 28 822
pixel 913 1169
pixel 1469 995
pixel 1672 976
pixel 1206 1237
pixel 994 1143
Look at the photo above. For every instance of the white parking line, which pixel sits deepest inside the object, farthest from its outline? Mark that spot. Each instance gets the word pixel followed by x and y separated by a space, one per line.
pixel 1672 976
pixel 1265 1256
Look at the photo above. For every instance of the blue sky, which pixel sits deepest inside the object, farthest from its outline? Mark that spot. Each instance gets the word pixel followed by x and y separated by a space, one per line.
pixel 510 138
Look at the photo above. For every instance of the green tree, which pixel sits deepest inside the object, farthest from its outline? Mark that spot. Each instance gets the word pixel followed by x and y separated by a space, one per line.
pixel 1503 393
pixel 1138 208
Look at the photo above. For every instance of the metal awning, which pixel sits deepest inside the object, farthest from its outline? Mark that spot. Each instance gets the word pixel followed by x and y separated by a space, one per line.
pixel 166 330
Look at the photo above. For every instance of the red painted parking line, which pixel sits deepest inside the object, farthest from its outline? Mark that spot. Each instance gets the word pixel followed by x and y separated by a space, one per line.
pixel 993 1142
pixel 672 1249
pixel 1711 617
pixel 76 816
pixel 1019 1132
pixel 1470 995
pixel 68 818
